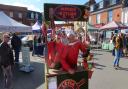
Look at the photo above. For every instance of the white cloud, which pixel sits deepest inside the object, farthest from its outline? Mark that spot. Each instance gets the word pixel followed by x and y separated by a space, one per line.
pixel 30 6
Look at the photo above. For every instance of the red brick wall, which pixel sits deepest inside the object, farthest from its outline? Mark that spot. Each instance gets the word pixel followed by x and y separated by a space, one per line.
pixel 93 19
pixel 117 14
pixel 104 17
pixel 16 9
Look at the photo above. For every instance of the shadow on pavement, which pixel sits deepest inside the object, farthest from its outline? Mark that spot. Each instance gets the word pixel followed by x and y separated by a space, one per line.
pixel 32 80
pixel 122 68
pixel 98 66
pixel 97 54
pixel 95 58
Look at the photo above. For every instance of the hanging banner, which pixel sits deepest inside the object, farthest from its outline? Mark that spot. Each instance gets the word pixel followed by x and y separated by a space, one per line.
pixel 65 12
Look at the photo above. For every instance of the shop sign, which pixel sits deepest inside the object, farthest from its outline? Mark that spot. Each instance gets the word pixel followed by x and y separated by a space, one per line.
pixel 77 81
pixel 66 12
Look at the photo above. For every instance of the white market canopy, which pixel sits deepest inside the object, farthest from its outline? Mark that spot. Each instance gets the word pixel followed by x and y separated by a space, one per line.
pixel 7 24
pixel 114 25
pixel 36 26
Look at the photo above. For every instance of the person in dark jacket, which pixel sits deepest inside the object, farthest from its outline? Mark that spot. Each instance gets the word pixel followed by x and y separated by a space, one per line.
pixel 16 46
pixel 6 61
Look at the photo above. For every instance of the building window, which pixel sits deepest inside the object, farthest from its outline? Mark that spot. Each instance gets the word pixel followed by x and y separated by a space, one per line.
pixel 96 6
pixel 20 15
pixel 98 18
pixel 112 2
pixel 90 19
pixel 11 14
pixel 32 15
pixel 92 8
pixel 106 3
pixel 110 14
pixel 101 5
pixel 126 17
pixel 125 3
pixel 36 16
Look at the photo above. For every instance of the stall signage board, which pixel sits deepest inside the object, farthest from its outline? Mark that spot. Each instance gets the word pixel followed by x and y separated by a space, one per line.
pixel 79 80
pixel 65 12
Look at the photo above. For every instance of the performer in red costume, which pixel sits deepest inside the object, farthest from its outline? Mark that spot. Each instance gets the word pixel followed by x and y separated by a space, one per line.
pixel 55 49
pixel 65 54
pixel 70 53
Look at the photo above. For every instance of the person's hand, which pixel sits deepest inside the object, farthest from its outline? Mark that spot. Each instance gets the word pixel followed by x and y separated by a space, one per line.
pixel 71 71
pixel 52 65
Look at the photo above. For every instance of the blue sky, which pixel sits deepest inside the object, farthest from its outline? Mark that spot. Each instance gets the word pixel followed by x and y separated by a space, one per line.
pixel 37 5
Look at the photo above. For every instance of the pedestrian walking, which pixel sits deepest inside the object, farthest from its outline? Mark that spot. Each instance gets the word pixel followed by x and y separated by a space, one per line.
pixel 118 50
pixel 6 61
pixel 114 42
pixel 16 46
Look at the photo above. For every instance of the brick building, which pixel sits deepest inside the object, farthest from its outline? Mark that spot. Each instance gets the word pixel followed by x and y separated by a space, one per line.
pixel 33 16
pixel 81 25
pixel 21 14
pixel 15 12
pixel 105 11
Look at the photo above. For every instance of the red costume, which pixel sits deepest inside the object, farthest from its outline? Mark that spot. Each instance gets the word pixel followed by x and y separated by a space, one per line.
pixel 54 51
pixel 66 54
pixel 70 53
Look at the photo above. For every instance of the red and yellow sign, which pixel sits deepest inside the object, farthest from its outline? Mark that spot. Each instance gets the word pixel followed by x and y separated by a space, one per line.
pixel 69 12
pixel 66 12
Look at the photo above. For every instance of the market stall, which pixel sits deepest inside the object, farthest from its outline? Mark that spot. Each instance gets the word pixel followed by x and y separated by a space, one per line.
pixel 8 24
pixel 36 28
pixel 94 34
pixel 111 27
pixel 55 75
pixel 38 45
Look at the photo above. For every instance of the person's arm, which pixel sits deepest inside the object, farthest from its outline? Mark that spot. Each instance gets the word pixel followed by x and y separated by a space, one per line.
pixel 66 67
pixel 64 63
pixel 11 57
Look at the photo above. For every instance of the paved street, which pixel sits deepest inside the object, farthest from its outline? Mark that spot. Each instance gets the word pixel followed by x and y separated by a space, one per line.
pixel 104 76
